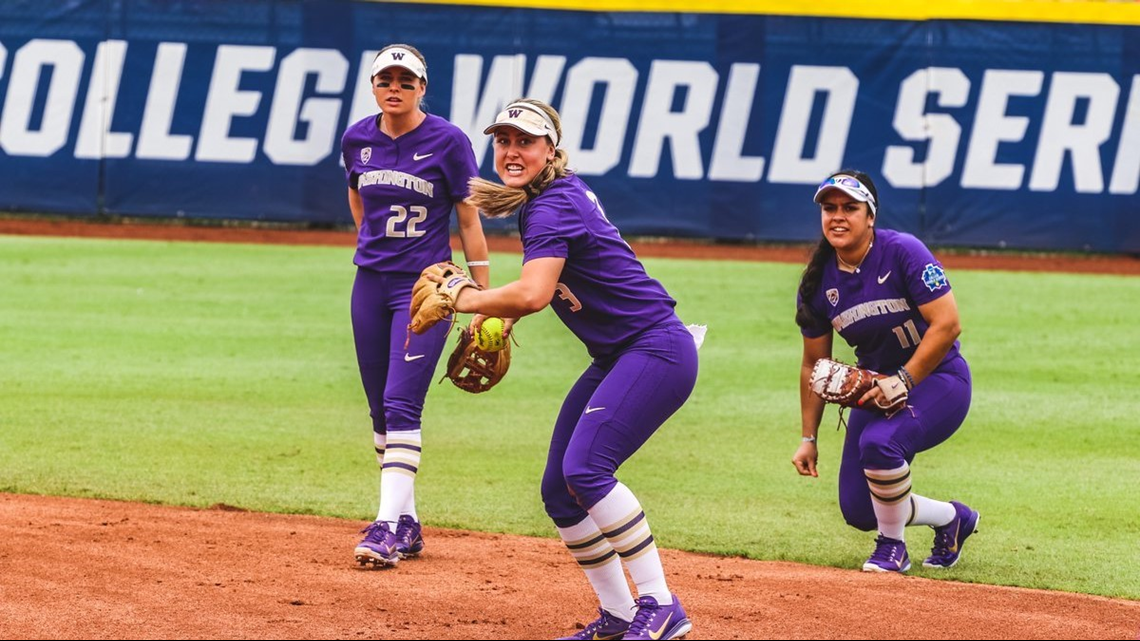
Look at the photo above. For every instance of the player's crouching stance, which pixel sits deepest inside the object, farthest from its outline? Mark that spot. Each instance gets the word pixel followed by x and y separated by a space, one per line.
pixel 887 296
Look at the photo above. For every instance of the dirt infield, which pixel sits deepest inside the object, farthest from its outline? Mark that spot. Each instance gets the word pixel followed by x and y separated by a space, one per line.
pixel 1053 262
pixel 85 569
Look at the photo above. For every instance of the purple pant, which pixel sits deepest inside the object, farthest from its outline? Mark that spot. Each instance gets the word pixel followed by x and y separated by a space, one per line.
pixel 874 442
pixel 395 380
pixel 615 406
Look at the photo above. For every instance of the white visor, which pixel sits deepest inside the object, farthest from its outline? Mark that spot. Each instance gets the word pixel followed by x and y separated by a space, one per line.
pixel 850 186
pixel 399 57
pixel 526 118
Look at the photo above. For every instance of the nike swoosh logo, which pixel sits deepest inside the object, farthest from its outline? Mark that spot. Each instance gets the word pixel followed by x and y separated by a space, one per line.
pixel 419 157
pixel 884 277
pixel 408 358
pixel 593 409
pixel 661 630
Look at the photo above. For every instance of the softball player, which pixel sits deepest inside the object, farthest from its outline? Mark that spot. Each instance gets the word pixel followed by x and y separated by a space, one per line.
pixel 889 298
pixel 406 170
pixel 644 365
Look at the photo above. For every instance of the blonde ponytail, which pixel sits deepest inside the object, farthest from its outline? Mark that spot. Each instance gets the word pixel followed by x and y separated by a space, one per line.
pixel 496 200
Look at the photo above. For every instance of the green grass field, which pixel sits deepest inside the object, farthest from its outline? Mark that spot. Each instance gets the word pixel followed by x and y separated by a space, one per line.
pixel 195 374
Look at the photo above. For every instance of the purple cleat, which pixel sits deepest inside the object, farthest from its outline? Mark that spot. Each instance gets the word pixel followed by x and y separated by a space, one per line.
pixel 606 626
pixel 378 547
pixel 409 537
pixel 889 556
pixel 949 538
pixel 657 622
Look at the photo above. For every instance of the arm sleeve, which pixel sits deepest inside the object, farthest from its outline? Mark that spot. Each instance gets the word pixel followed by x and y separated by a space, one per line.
pixel 814 331
pixel 460 166
pixel 925 277
pixel 347 154
pixel 544 236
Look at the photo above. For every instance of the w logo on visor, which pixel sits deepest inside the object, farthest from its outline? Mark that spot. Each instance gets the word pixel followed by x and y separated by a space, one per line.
pixel 514 113
pixel 397 55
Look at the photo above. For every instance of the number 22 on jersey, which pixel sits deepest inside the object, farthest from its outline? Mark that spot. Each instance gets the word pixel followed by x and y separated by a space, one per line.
pixel 399 215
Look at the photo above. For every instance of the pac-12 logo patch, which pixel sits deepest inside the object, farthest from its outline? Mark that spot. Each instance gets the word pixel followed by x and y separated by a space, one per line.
pixel 365 154
pixel 833 297
pixel 934 277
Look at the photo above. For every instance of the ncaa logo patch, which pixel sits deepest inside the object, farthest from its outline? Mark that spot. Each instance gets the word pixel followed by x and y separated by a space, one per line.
pixel 833 297
pixel 365 154
pixel 934 277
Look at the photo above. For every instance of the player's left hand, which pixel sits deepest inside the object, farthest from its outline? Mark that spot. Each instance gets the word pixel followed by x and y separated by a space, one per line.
pixel 436 294
pixel 805 459
pixel 889 393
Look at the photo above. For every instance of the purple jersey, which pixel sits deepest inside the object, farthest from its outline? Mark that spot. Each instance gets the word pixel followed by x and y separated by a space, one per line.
pixel 409 186
pixel 604 295
pixel 876 309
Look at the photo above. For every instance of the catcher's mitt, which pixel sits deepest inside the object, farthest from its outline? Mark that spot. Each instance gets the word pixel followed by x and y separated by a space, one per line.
pixel 434 300
pixel 472 369
pixel 843 384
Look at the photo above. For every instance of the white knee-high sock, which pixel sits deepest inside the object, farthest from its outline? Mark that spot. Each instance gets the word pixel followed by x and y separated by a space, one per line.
pixel 622 521
pixel 602 566
pixel 398 475
pixel 926 511
pixel 379 441
pixel 890 491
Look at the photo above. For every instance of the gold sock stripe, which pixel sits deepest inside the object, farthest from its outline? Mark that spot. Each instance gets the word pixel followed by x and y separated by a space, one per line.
pixel 403 456
pixel 398 469
pixel 887 477
pixel 890 499
pixel 592 551
pixel 623 523
pixel 639 550
pixel 630 541
pixel 589 540
pixel 597 560
pixel 407 444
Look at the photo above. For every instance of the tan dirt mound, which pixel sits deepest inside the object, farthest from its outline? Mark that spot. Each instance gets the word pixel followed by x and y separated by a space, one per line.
pixel 87 569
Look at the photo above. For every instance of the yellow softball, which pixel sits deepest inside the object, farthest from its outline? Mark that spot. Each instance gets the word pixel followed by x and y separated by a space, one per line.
pixel 490 336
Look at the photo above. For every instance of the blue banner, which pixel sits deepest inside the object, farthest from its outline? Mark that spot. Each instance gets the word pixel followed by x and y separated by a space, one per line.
pixel 991 134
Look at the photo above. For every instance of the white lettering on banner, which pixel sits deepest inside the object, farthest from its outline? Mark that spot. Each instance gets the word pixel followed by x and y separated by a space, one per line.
pixel 1126 171
pixel 17 138
pixel 912 123
pixel 224 101
pixel 992 126
pixel 472 109
pixel 155 139
pixel 3 65
pixel 306 112
pixel 620 78
pixel 682 128
pixel 96 140
pixel 805 83
pixel 728 161
pixel 1060 135
pixel 321 114
pixel 363 101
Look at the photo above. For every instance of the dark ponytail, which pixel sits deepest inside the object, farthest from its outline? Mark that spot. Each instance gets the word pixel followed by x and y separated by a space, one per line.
pixel 807 317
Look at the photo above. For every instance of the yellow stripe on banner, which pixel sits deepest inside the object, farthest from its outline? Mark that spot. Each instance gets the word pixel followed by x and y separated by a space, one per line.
pixel 1113 12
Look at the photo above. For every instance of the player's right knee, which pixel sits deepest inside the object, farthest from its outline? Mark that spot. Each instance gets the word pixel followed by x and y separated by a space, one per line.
pixel 860 519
